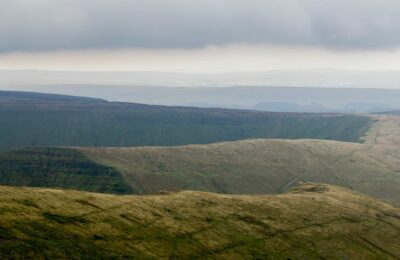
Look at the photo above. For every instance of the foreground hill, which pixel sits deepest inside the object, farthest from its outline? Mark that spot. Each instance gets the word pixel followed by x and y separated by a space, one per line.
pixel 312 221
pixel 32 119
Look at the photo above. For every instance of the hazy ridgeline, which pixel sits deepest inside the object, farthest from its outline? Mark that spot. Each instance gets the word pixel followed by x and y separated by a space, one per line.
pixel 48 120
pixel 280 91
pixel 272 99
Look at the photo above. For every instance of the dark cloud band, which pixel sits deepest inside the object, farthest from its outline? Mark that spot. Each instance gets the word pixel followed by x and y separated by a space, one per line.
pixel 34 25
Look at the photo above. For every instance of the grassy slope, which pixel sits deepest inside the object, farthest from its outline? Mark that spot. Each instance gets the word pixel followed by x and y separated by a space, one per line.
pixel 56 167
pixel 264 166
pixel 312 221
pixel 50 120
pixel 252 167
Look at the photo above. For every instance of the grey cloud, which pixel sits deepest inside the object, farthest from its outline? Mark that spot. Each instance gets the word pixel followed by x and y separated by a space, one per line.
pixel 35 25
pixel 354 23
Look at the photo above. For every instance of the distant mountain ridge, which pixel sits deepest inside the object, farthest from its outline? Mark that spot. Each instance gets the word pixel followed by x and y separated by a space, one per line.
pixel 43 96
pixel 297 99
pixel 326 90
pixel 32 119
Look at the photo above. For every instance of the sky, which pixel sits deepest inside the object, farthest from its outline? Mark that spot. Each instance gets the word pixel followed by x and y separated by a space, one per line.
pixel 207 36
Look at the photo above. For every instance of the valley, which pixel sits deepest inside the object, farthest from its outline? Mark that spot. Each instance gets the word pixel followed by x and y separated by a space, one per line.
pixel 257 166
pixel 311 177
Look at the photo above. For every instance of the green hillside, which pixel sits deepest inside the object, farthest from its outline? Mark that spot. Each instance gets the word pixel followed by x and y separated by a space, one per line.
pixel 255 167
pixel 265 166
pixel 258 166
pixel 31 119
pixel 62 168
pixel 243 167
pixel 311 222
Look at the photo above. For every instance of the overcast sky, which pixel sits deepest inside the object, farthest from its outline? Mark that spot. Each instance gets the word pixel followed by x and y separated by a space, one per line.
pixel 199 36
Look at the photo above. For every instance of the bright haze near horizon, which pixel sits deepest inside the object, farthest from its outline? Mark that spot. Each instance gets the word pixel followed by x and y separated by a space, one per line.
pixel 109 49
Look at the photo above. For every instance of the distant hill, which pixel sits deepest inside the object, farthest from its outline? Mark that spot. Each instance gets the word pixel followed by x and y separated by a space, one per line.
pixel 266 97
pixel 326 90
pixel 312 221
pixel 290 107
pixel 32 119
pixel 391 112
pixel 31 97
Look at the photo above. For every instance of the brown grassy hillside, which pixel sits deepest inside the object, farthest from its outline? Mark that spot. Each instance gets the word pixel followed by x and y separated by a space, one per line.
pixel 312 221
pixel 265 166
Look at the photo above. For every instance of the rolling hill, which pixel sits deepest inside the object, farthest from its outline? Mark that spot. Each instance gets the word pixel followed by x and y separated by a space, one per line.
pixel 32 119
pixel 256 166
pixel 264 166
pixel 312 221
pixel 334 220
